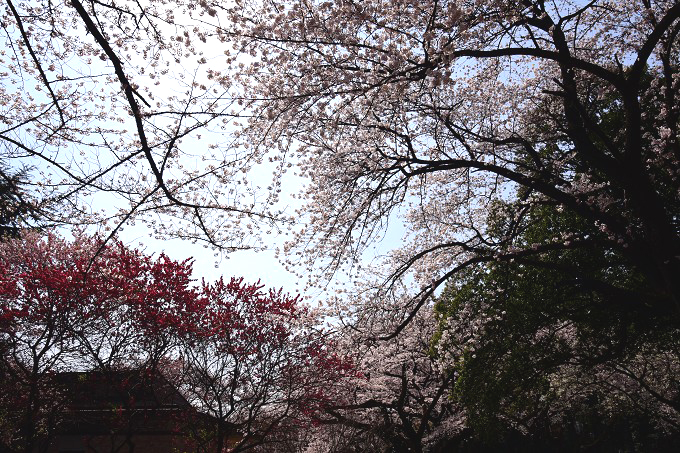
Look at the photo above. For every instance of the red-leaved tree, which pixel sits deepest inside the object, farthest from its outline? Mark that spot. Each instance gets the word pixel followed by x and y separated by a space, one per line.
pixel 255 361
pixel 252 360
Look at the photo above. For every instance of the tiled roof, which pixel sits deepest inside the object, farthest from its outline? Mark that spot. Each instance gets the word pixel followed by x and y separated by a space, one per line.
pixel 105 390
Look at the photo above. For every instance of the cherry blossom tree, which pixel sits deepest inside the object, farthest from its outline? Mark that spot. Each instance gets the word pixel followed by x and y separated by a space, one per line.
pixel 432 110
pixel 437 110
pixel 399 398
pixel 113 108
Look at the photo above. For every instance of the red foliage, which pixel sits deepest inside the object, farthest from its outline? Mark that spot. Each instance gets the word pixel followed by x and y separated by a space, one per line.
pixel 247 356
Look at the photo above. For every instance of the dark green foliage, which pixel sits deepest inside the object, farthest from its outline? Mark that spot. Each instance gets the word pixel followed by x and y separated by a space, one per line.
pixel 15 208
pixel 570 311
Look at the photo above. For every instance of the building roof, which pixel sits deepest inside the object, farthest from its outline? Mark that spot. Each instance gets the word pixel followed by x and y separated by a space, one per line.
pixel 120 389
